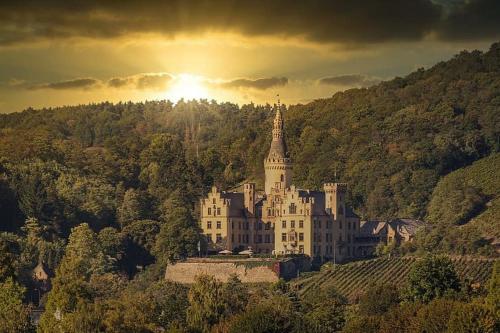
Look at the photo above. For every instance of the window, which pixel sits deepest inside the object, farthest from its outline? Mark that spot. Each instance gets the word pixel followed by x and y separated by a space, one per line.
pixel 282 178
pixel 301 237
pixel 319 224
pixel 219 225
pixel 246 225
pixel 292 209
pixel 283 237
pixel 283 224
pixel 259 238
pixel 218 238
pixel 218 211
pixel 232 224
pixel 232 238
pixel 301 248
pixel 268 226
pixel 301 224
pixel 267 238
pixel 292 224
pixel 213 201
pixel 239 225
pixel 209 238
pixel 340 224
pixel 239 238
pixel 209 211
pixel 209 224
pixel 348 225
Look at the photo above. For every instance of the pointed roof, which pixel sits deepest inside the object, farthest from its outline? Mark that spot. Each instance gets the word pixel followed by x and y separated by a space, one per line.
pixel 278 146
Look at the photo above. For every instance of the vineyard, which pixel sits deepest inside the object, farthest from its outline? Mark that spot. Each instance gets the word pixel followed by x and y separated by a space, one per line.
pixel 352 279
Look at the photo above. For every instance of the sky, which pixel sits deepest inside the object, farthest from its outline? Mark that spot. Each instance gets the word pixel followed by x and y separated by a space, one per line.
pixel 55 53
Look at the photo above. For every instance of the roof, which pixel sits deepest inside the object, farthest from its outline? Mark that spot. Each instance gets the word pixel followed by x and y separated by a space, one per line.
pixel 369 228
pixel 278 149
pixel 406 226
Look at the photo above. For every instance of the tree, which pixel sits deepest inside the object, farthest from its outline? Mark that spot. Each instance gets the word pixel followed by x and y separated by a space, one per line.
pixel 71 288
pixel 378 299
pixel 324 310
pixel 180 234
pixel 9 255
pixel 14 315
pixel 112 244
pixel 431 277
pixel 206 303
pixel 472 317
pixel 434 316
pixel 132 208
pixel 272 315
pixel 235 295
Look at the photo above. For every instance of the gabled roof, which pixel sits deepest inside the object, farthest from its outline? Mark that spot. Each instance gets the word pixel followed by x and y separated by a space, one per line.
pixel 368 228
pixel 406 226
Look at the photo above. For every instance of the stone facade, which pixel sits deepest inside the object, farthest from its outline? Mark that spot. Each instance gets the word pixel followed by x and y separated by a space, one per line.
pixel 252 270
pixel 282 219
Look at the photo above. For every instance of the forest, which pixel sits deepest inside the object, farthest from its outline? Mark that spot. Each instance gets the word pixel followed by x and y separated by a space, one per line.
pixel 106 194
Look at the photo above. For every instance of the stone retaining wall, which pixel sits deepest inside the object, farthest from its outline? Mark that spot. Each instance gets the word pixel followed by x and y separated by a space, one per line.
pixel 248 271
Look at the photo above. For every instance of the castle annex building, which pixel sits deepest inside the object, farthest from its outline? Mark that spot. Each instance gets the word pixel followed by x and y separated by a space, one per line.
pixel 283 219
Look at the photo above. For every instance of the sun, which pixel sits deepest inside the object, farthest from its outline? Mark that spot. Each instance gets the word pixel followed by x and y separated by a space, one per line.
pixel 187 86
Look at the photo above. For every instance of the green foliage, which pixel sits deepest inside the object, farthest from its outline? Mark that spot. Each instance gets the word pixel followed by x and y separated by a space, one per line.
pixel 9 251
pixel 71 289
pixel 274 315
pixel 431 277
pixel 210 302
pixel 14 315
pixel 473 318
pixel 434 316
pixel 324 310
pixel 378 299
pixel 493 298
pixel 467 196
pixel 179 234
pixel 133 207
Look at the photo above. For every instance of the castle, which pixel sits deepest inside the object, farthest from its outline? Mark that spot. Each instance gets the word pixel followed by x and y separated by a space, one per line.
pixel 283 219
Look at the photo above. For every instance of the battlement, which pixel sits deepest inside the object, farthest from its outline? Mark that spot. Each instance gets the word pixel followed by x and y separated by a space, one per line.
pixel 333 187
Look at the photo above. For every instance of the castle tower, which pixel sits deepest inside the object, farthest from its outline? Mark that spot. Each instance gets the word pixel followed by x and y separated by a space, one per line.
pixel 277 165
pixel 249 197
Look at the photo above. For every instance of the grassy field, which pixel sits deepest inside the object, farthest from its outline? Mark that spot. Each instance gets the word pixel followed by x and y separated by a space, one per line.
pixel 352 279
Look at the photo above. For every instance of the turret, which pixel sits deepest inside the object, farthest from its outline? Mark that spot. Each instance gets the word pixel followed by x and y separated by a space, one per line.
pixel 278 165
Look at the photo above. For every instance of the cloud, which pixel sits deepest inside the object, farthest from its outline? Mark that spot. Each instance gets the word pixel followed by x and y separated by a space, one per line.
pixel 321 21
pixel 153 81
pixel 472 19
pixel 81 84
pixel 350 80
pixel 259 84
pixel 147 81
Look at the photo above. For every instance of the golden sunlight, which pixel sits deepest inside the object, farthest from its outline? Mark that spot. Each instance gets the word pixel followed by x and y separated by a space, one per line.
pixel 187 86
